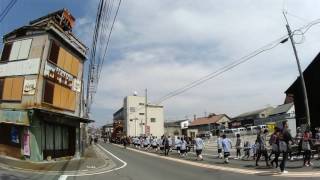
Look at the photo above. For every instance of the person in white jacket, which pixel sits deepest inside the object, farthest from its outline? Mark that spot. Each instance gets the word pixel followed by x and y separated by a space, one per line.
pixel 183 148
pixel 199 146
pixel 226 145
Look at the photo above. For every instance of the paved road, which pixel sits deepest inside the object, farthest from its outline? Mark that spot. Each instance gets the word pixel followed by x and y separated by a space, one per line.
pixel 143 167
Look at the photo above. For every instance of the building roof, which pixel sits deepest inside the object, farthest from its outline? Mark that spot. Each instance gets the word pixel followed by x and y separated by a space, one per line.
pixel 281 109
pixel 174 123
pixel 253 113
pixel 312 67
pixel 207 120
pixel 51 25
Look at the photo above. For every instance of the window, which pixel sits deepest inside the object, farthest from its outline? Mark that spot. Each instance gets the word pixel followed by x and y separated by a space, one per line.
pixel 153 119
pixel 12 89
pixel 54 52
pixel 131 120
pixel 63 59
pixel 132 109
pixel 141 113
pixel 141 104
pixel 20 50
pixel 48 92
pixel 6 52
pixel 1 87
pixel 59 96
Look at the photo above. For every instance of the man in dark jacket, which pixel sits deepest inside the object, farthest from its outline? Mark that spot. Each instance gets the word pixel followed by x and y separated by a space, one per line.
pixel 286 138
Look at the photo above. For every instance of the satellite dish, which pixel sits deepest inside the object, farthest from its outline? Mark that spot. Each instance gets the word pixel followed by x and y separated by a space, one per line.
pixel 135 93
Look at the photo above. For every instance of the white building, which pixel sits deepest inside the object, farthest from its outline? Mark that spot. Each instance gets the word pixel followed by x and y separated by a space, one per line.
pixel 141 119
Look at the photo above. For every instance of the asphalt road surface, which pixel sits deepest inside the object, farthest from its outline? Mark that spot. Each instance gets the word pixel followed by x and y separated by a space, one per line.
pixel 132 165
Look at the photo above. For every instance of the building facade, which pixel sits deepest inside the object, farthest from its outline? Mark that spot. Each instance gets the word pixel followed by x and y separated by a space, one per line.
pixel 295 95
pixel 41 77
pixel 141 118
pixel 207 125
pixel 176 128
pixel 248 118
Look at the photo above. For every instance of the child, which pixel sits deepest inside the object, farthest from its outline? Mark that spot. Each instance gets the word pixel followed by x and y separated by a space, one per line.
pixel 238 146
pixel 246 149
pixel 219 144
pixel 226 145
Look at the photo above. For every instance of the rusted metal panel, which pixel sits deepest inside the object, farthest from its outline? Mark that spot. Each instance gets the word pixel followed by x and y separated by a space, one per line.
pixel 15 117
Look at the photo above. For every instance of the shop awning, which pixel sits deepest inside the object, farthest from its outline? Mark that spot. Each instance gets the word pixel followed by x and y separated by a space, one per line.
pixel 62 115
pixel 18 117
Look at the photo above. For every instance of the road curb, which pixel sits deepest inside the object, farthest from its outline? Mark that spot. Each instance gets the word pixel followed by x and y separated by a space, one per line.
pixel 108 164
pixel 229 169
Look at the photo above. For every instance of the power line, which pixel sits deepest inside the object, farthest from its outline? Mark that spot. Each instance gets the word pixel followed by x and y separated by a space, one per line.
pixel 105 20
pixel 7 9
pixel 242 60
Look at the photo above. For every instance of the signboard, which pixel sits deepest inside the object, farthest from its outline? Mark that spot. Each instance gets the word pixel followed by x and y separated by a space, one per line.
pixel 16 117
pixel 184 124
pixel 58 75
pixel 62 77
pixel 29 86
pixel 26 143
pixel 76 85
pixel 18 68
pixel 147 130
pixel 14 135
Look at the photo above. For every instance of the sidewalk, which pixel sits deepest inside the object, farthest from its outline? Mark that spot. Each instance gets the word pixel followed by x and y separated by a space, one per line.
pixel 93 159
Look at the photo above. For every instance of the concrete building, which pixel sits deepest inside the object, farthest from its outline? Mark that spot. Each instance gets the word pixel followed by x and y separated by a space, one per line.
pixel 41 77
pixel 140 118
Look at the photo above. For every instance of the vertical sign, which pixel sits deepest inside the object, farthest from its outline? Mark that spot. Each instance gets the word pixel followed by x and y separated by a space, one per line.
pixel 26 143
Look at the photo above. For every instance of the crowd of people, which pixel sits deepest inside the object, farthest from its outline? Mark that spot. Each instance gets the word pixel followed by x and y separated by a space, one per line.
pixel 279 145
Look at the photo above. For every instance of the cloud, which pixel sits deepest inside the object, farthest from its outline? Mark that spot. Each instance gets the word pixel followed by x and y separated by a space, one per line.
pixel 163 45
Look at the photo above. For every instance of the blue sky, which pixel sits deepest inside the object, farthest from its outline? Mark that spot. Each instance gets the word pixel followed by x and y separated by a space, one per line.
pixel 163 44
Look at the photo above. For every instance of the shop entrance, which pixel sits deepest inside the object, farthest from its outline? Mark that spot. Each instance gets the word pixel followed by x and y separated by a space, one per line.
pixel 58 140
pixel 10 140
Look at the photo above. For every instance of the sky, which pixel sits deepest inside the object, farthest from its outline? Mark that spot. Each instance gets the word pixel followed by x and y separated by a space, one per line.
pixel 163 45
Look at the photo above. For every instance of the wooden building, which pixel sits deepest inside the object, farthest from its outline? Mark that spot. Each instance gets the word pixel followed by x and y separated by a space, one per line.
pixel 41 77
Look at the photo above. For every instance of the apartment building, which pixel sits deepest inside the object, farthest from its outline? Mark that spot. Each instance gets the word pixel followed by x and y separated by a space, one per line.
pixel 140 118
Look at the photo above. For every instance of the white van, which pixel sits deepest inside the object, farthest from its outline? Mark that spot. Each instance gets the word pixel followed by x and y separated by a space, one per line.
pixel 263 126
pixel 242 130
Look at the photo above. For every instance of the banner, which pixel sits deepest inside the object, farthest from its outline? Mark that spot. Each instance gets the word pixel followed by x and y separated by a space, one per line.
pixel 26 143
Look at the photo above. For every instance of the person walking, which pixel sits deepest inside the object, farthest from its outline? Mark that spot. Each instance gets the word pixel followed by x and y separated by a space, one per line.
pixel 166 146
pixel 262 150
pixel 284 147
pixel 247 149
pixel 199 146
pixel 226 145
pixel 274 142
pixel 306 147
pixel 219 145
pixel 238 146
pixel 178 145
pixel 183 148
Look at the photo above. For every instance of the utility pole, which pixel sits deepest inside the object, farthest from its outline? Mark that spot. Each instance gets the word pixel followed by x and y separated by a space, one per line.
pixel 304 89
pixel 146 107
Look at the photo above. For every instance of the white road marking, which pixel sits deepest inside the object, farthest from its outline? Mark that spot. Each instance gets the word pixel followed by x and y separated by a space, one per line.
pixel 124 164
pixel 229 169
